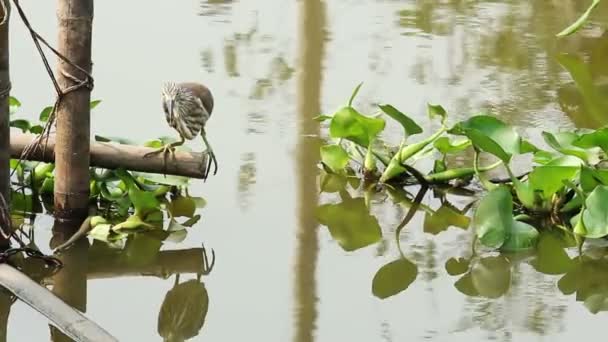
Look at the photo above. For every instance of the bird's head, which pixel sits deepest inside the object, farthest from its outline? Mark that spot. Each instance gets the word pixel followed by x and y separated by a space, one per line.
pixel 170 94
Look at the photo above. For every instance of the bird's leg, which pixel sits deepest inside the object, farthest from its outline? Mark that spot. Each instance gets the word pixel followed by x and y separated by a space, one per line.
pixel 210 156
pixel 167 149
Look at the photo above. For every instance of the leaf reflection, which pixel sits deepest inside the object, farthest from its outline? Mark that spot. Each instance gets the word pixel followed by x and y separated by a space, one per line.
pixel 183 312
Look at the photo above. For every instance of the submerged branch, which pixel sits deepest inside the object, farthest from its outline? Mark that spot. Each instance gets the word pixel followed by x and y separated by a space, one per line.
pixel 113 156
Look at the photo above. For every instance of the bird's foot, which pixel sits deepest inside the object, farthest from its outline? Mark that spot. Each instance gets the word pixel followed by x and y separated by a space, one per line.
pixel 165 150
pixel 211 160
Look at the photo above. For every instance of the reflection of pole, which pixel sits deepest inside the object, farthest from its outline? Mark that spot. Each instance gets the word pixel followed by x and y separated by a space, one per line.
pixel 5 87
pixel 5 310
pixel 311 38
pixel 70 283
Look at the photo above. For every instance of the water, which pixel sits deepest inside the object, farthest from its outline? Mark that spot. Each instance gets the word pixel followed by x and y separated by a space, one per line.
pixel 272 66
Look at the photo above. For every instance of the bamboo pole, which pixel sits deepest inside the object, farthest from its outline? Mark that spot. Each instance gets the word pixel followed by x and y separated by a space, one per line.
pixel 311 26
pixel 5 87
pixel 75 19
pixel 70 321
pixel 112 156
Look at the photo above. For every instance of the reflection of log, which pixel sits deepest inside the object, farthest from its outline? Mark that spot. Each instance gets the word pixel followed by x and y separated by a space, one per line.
pixel 70 321
pixel 112 156
pixel 166 264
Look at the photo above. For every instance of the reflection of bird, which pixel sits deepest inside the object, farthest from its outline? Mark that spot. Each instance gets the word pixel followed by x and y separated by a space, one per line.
pixel 187 108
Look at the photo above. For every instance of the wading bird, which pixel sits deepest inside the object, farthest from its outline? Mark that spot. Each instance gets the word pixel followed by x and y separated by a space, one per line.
pixel 187 108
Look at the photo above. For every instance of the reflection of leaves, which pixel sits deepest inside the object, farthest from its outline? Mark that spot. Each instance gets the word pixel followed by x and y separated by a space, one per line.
pixel 551 258
pixel 230 59
pixel 183 312
pixel 350 223
pixel 491 276
pixel 456 266
pixel 589 279
pixel 443 218
pixel 596 104
pixel 393 278
pixel 182 206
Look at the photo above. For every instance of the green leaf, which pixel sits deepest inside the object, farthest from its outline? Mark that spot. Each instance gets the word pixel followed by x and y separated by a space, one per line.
pixel 410 127
pixel 564 142
pixel 118 140
pixel 349 124
pixel 350 223
pixel 321 118
pixel 595 217
pixel 45 113
pixel 354 94
pixel 521 236
pixel 94 103
pixel 13 102
pixel 490 135
pixel 334 157
pixel 590 178
pixel 37 129
pixel 133 222
pixel 579 22
pixel 157 178
pixel 21 124
pixel 436 110
pixel 495 225
pixel 550 178
pixel 445 146
pixel 598 138
pixel 14 105
pixel 393 278
pixel 443 218
pixel 143 201
pixel 104 232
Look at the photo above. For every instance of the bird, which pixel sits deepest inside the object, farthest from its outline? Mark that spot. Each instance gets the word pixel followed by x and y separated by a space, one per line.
pixel 187 107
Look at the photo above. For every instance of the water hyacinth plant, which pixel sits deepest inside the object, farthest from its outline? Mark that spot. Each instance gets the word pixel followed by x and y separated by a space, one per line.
pixel 122 202
pixel 565 189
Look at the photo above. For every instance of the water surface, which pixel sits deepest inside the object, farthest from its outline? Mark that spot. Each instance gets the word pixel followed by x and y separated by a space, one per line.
pixel 272 66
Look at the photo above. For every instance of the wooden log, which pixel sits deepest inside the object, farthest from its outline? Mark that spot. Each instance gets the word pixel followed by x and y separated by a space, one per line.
pixel 75 22
pixel 5 87
pixel 112 156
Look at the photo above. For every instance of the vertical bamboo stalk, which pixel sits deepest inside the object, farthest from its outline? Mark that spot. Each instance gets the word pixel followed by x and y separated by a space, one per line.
pixel 5 86
pixel 75 19
pixel 311 26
